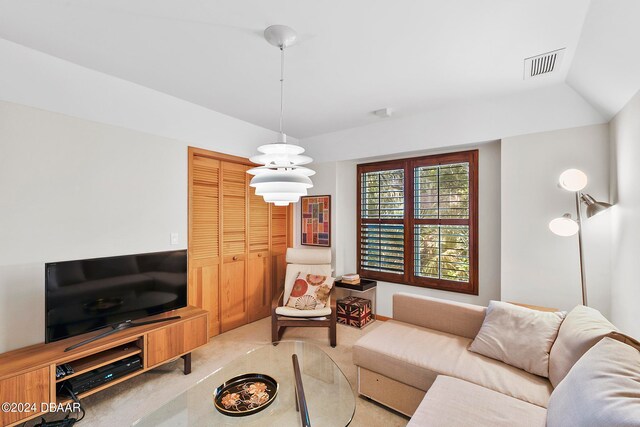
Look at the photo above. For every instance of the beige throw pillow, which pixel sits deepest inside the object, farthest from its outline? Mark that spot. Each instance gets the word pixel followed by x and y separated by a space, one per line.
pixel 581 329
pixel 601 389
pixel 310 292
pixel 518 336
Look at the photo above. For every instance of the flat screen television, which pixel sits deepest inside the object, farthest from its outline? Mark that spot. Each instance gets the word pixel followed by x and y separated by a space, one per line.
pixel 89 294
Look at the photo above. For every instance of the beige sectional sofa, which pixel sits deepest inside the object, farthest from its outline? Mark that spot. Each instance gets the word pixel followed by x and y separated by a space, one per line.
pixel 419 364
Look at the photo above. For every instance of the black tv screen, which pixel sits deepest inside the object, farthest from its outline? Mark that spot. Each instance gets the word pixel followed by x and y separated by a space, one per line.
pixel 85 295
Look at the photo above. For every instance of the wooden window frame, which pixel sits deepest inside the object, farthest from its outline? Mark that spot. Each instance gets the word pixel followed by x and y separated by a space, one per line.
pixel 409 222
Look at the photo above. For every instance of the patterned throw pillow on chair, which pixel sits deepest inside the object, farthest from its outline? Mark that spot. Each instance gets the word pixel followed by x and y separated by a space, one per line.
pixel 310 292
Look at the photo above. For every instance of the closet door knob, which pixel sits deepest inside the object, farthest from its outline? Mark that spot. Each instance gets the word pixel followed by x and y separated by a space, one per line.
pixel 259 255
pixel 235 258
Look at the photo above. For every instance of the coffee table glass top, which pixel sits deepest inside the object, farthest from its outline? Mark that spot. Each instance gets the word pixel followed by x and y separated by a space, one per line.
pixel 330 400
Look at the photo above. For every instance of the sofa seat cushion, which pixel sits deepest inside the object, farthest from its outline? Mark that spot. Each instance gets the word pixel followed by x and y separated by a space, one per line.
pixel 451 402
pixel 294 312
pixel 416 356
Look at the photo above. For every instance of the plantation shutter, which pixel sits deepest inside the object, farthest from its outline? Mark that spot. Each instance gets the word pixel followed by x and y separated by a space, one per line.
pixel 441 241
pixel 381 223
pixel 418 221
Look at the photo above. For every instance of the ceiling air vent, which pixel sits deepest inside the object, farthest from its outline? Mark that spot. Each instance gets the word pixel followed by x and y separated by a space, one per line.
pixel 544 64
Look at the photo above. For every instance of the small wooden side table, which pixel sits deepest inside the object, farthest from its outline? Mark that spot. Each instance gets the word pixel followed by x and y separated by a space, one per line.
pixel 365 286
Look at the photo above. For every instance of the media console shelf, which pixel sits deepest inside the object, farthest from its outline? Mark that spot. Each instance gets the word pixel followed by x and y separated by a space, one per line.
pixel 28 375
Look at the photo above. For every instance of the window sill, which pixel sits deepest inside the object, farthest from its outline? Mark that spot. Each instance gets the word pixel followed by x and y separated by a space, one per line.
pixel 441 285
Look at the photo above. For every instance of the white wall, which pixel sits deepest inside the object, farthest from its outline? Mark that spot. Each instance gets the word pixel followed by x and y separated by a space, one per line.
pixel 339 180
pixel 33 78
pixel 539 267
pixel 483 119
pixel 73 189
pixel 606 67
pixel 346 227
pixel 625 154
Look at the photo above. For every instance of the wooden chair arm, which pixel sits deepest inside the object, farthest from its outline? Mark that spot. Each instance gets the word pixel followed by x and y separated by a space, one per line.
pixel 334 311
pixel 333 303
pixel 277 301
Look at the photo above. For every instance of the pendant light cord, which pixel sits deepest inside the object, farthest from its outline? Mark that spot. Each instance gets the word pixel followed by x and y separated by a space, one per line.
pixel 281 87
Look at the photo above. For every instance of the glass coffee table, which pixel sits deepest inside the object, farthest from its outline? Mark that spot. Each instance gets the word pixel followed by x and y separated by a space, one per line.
pixel 329 398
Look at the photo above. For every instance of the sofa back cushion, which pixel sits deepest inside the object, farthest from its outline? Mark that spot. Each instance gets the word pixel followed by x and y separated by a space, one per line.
pixel 581 329
pixel 518 336
pixel 452 317
pixel 601 389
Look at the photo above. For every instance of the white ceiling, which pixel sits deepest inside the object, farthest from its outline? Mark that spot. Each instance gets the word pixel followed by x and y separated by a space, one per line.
pixel 606 66
pixel 353 57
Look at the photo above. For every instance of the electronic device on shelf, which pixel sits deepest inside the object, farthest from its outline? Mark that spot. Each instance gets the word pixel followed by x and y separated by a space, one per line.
pixel 100 376
pixel 63 370
pixel 90 294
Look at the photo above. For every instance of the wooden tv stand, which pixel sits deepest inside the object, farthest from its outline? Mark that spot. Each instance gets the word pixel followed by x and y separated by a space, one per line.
pixel 28 375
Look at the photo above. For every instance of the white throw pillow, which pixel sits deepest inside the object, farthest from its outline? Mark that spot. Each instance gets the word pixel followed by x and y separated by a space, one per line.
pixel 518 336
pixel 601 389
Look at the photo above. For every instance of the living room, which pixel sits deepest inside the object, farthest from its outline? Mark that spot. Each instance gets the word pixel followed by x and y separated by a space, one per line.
pixel 455 215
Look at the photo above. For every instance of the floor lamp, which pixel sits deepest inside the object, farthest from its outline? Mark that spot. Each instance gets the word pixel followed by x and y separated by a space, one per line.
pixel 575 180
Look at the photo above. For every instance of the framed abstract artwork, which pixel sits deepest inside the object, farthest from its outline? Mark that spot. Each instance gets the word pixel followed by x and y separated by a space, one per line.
pixel 316 220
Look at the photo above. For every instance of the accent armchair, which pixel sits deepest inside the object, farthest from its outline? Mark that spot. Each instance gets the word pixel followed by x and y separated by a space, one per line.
pixel 311 261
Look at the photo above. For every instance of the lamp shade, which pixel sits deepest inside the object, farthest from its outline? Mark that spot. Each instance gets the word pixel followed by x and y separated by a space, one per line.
pixel 300 170
pixel 281 199
pixel 564 226
pixel 281 184
pixel 281 176
pixel 594 207
pixel 280 158
pixel 573 180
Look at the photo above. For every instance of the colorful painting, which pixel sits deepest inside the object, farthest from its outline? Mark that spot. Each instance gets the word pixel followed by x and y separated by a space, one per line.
pixel 316 220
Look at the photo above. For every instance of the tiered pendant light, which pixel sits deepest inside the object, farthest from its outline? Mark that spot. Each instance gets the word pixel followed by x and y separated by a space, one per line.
pixel 282 179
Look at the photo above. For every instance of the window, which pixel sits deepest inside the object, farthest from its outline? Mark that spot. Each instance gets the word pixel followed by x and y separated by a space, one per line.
pixel 417 221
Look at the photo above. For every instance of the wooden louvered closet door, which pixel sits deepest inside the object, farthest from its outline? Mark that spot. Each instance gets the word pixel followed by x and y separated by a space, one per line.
pixel 259 272
pixel 204 236
pixel 233 288
pixel 237 242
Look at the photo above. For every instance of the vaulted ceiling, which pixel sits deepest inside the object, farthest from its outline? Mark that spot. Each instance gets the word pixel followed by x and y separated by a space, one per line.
pixel 353 57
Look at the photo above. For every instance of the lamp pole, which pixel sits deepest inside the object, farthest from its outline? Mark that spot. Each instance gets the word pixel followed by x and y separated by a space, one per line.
pixel 583 277
pixel 575 180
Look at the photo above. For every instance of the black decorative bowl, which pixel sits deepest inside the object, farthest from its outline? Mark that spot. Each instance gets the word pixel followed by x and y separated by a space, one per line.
pixel 245 394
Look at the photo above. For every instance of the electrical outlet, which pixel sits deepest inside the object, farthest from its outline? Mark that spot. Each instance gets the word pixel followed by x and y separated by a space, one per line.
pixel 174 238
